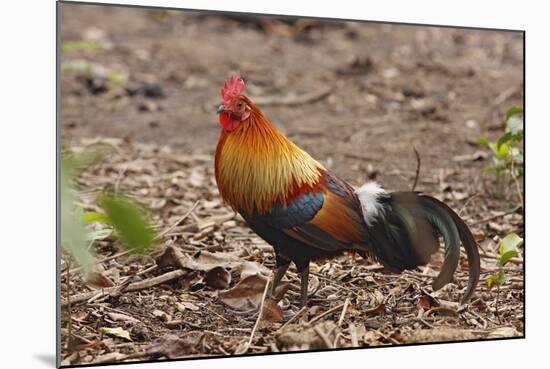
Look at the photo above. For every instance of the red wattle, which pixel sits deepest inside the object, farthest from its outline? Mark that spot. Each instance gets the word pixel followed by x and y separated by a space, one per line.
pixel 228 122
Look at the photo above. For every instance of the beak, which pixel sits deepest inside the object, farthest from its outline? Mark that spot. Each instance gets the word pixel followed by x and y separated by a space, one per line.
pixel 221 109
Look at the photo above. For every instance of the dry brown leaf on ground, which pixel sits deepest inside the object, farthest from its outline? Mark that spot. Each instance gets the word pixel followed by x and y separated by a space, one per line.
pixel 380 309
pixel 308 338
pixel 218 278
pixel 122 317
pixel 204 261
pixel 99 280
pixel 173 346
pixel 247 294
pixel 186 305
pixel 272 312
pixel 117 332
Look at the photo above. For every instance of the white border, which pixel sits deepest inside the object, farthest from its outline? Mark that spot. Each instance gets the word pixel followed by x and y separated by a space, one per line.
pixel 28 181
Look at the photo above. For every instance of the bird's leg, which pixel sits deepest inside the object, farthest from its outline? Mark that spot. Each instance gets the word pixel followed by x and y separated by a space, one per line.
pixel 304 273
pixel 281 268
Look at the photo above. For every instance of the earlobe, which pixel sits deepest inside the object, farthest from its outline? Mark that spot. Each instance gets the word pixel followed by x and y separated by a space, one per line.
pixel 245 115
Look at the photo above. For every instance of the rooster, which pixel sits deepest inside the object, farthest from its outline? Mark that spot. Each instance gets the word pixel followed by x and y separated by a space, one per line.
pixel 307 213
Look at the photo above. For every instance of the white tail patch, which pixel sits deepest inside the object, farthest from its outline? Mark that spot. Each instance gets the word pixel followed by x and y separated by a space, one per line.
pixel 368 197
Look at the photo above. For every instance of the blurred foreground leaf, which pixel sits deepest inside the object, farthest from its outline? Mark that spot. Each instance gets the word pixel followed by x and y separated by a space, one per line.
pixel 73 232
pixel 91 216
pixel 79 159
pixel 130 221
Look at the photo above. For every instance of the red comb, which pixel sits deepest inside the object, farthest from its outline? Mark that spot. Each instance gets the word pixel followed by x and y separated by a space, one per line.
pixel 232 88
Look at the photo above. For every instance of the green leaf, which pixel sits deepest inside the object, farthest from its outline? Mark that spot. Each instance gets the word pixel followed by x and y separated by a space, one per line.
pixel 501 277
pixel 92 216
pixel 116 78
pixel 483 140
pixel 491 281
pixel 117 332
pixel 129 220
pixel 70 45
pixel 514 110
pixel 509 247
pixel 505 139
pixel 489 169
pixel 502 151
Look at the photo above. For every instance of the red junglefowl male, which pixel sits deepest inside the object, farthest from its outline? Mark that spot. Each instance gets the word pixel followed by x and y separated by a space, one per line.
pixel 307 213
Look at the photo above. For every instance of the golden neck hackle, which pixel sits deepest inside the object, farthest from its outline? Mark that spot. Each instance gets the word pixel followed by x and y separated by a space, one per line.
pixel 258 167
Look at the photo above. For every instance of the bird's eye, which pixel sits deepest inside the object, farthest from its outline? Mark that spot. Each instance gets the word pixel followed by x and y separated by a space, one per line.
pixel 240 105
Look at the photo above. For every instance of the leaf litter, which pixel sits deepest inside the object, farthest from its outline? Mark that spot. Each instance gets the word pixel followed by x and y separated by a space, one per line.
pixel 198 294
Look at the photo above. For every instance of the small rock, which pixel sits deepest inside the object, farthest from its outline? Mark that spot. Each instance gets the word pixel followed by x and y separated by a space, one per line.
pixel 390 73
pixel 472 124
pixel 152 90
pixel 148 106
pixel 162 315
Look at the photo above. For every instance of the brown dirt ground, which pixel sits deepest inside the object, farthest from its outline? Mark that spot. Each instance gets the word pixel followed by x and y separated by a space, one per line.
pixel 382 90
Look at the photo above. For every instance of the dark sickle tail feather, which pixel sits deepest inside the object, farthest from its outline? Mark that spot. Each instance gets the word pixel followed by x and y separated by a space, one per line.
pixel 469 244
pixel 404 236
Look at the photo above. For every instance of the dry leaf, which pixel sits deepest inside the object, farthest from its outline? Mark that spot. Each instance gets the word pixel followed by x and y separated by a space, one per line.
pixel 204 261
pixel 380 309
pixel 372 339
pixel 247 294
pixel 305 338
pixel 503 332
pixel 122 317
pixel 173 346
pixel 424 302
pixel 218 278
pixel 165 317
pixel 248 269
pixel 189 306
pixel 117 332
pixel 99 280
pixel 272 311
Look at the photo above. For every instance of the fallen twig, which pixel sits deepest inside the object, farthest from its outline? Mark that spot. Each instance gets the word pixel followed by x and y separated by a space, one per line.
pixel 467 203
pixel 353 334
pixel 247 346
pixel 292 319
pixel 178 222
pixel 136 286
pixel 323 336
pixel 417 169
pixel 326 313
pixel 485 220
pixel 346 303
